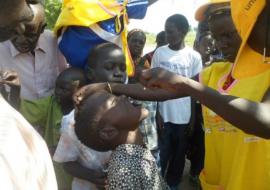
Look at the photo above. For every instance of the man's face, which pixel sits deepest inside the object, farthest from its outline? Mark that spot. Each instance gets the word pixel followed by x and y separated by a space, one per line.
pixel 27 41
pixel 227 39
pixel 13 18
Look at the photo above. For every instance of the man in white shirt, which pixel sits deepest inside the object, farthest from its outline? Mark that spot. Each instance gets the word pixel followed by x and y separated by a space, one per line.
pixel 176 113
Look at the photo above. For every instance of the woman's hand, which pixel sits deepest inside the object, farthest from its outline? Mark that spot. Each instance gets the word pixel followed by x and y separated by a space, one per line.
pixel 161 78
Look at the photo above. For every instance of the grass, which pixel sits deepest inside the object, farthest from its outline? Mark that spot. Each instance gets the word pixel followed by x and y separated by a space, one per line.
pixel 189 40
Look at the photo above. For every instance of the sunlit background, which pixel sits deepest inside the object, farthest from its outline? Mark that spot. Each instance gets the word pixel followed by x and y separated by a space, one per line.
pixel 157 14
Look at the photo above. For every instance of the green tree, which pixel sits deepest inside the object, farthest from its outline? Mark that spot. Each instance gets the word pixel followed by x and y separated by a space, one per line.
pixel 52 10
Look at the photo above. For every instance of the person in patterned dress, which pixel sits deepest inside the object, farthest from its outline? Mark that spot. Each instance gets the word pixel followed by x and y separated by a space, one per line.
pixel 108 122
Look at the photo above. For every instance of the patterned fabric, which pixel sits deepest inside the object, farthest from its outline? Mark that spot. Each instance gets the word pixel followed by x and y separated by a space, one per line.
pixel 148 126
pixel 133 167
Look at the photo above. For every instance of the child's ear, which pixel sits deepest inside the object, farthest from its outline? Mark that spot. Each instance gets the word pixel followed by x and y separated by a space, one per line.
pixel 108 132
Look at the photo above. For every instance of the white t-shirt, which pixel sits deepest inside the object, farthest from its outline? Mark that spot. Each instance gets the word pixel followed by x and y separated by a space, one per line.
pixel 185 62
pixel 70 148
pixel 25 162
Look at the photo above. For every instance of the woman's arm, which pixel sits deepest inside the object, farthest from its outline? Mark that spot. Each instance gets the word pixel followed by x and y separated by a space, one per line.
pixel 249 116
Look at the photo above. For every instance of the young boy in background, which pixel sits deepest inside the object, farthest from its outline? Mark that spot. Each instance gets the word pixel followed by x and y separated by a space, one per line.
pixel 53 110
pixel 176 113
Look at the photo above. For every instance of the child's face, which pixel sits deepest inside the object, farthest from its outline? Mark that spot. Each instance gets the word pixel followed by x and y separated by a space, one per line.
pixel 115 118
pixel 206 47
pixel 121 113
pixel 64 90
pixel 173 35
pixel 110 67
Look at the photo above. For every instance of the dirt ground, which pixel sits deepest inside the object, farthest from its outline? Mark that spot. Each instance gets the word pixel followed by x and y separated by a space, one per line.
pixel 185 185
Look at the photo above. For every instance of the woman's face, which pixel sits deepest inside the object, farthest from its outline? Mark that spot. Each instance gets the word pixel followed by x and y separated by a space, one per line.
pixel 226 38
pixel 136 44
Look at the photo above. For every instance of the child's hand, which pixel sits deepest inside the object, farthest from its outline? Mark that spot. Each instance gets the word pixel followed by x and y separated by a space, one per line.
pixel 100 179
pixel 10 78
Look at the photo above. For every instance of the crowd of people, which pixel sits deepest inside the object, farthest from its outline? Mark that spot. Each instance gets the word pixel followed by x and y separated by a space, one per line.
pixel 83 108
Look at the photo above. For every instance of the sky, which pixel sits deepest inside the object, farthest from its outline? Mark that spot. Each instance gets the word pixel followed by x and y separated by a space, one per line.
pixel 158 12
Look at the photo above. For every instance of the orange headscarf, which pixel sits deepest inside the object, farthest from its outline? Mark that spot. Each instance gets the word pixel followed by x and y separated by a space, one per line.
pixel 245 14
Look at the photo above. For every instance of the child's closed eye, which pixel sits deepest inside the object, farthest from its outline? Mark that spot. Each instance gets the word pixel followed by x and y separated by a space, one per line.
pixel 109 66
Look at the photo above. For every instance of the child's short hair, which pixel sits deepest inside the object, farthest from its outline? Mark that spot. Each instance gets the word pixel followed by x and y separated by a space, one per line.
pixel 74 74
pixel 180 22
pixel 99 51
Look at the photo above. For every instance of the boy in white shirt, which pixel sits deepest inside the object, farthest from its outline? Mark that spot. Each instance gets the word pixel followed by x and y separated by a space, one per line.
pixel 176 113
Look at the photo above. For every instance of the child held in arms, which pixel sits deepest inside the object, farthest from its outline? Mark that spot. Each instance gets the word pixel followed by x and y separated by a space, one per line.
pixel 107 122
